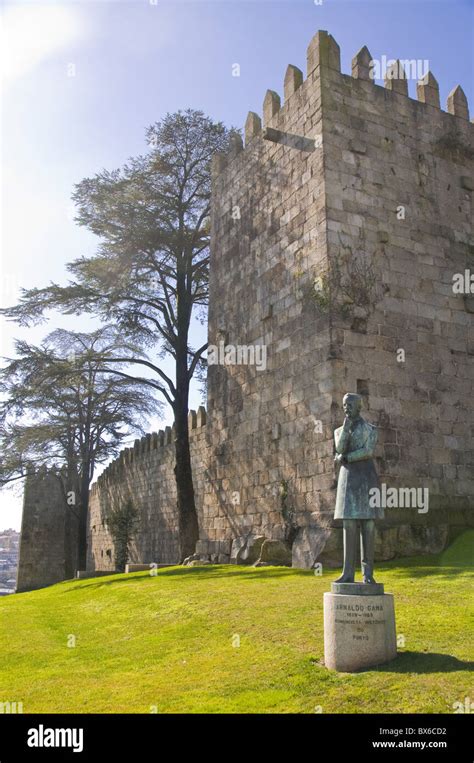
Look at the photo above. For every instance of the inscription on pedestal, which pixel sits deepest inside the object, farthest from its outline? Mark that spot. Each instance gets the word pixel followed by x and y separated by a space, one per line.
pixel 362 616
pixel 359 631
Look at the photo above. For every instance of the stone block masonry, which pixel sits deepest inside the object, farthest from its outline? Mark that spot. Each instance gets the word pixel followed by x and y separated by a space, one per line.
pixel 396 204
pixel 49 533
pixel 144 474
pixel 336 232
pixel 377 216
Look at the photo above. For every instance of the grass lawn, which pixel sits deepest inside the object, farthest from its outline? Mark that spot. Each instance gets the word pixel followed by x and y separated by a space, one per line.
pixel 169 643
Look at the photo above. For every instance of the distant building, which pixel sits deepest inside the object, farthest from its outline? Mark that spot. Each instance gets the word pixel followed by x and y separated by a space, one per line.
pixel 9 551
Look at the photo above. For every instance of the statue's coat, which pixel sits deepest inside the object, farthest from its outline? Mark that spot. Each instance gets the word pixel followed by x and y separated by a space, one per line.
pixel 358 476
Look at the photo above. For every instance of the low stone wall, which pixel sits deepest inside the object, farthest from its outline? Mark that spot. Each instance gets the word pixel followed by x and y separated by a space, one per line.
pixel 145 475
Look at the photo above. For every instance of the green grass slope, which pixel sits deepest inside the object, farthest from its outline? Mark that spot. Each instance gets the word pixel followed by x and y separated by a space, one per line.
pixel 233 639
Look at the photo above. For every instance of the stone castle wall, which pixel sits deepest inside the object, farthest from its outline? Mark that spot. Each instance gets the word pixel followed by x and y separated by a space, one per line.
pixel 399 181
pixel 317 188
pixel 268 235
pixel 49 534
pixel 144 474
pixel 309 219
pixel 336 232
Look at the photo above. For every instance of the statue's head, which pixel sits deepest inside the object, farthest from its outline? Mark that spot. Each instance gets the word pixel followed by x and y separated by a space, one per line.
pixel 352 404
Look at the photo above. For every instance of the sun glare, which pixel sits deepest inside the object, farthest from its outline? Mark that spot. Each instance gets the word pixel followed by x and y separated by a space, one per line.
pixel 32 34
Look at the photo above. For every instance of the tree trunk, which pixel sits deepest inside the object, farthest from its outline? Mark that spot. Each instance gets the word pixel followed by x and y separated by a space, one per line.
pixel 187 515
pixel 82 528
pixel 70 536
pixel 76 503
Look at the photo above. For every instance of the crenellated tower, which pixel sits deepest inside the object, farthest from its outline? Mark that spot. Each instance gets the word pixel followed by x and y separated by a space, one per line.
pixel 339 228
pixel 336 233
pixel 49 541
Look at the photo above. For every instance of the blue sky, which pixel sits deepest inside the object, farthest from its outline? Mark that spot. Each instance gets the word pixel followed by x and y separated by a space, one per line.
pixel 82 80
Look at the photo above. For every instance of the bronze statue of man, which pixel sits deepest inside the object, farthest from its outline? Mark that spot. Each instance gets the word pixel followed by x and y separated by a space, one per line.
pixel 355 445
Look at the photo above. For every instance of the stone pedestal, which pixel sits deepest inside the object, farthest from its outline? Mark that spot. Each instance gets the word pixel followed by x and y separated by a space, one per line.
pixel 359 628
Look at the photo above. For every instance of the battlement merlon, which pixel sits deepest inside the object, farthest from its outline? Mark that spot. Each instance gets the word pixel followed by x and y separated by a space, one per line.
pixel 323 54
